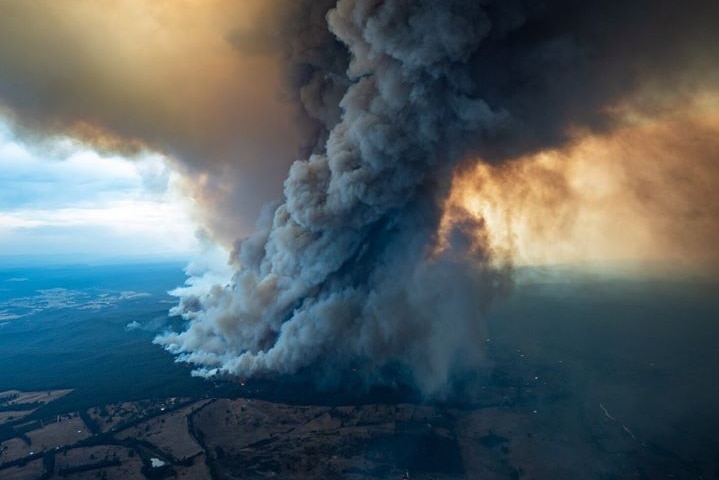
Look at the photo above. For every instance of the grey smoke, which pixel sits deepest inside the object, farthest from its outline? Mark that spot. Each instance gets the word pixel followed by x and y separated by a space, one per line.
pixel 342 272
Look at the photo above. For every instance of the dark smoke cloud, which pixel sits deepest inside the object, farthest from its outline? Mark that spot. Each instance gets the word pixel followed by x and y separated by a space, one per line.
pixel 313 61
pixel 344 271
pixel 393 96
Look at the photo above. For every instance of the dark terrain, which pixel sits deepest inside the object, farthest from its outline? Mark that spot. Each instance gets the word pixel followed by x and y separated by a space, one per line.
pixel 594 376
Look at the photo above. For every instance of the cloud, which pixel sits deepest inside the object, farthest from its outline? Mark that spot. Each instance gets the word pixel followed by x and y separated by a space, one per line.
pixel 80 201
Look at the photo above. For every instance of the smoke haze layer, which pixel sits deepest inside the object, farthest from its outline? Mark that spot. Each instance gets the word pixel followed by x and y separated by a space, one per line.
pixel 644 191
pixel 130 75
pixel 390 100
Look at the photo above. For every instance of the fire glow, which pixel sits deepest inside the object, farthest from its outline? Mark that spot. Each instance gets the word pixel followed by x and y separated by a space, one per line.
pixel 641 192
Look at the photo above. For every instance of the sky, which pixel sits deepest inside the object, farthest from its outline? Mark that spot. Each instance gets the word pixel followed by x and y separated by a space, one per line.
pixel 64 199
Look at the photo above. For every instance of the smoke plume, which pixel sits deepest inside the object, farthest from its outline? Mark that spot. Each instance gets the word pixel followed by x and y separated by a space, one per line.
pixel 343 272
pixel 392 99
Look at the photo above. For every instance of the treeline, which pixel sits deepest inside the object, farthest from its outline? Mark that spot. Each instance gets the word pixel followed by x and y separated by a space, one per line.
pixel 89 466
pixel 8 398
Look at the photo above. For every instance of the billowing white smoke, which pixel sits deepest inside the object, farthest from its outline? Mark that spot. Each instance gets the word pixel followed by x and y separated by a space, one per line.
pixel 343 270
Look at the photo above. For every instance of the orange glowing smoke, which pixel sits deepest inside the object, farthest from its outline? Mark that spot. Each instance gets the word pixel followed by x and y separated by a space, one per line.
pixel 645 191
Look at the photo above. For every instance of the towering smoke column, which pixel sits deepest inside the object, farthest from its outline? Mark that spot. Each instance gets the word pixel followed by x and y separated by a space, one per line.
pixel 341 271
pixel 345 271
